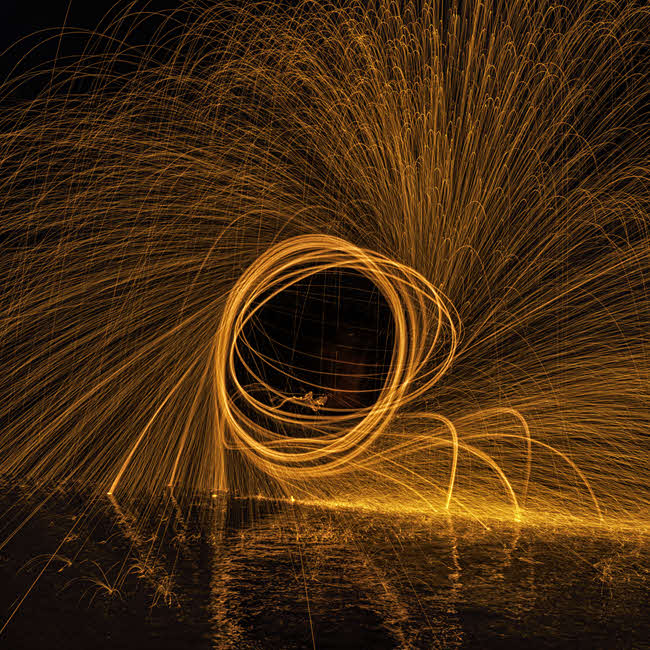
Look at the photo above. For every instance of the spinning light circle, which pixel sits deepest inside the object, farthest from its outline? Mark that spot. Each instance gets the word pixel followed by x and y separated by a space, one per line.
pixel 423 320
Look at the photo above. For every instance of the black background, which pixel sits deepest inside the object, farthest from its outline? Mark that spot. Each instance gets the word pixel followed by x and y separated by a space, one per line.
pixel 30 32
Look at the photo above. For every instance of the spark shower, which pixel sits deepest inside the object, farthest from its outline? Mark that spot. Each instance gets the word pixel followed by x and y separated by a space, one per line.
pixel 476 173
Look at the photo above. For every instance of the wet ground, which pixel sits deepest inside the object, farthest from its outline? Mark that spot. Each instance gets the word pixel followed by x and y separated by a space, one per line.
pixel 250 574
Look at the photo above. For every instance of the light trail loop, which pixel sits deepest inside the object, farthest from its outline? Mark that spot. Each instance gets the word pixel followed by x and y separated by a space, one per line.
pixel 424 324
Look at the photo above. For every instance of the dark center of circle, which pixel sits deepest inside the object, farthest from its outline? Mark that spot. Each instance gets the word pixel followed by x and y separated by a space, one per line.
pixel 325 343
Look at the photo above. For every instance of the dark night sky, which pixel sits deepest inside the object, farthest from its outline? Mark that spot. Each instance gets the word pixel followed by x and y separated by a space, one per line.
pixel 20 19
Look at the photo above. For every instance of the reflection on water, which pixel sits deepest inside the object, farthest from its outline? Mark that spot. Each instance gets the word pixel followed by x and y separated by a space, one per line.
pixel 236 573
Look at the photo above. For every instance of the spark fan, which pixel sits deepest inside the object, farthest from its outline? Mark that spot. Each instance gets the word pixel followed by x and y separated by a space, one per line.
pixel 480 170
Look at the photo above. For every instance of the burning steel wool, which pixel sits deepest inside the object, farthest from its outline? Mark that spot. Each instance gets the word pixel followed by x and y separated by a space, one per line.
pixel 475 165
pixel 385 256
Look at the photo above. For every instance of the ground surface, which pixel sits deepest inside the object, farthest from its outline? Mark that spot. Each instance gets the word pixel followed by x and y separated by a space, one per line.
pixel 255 575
